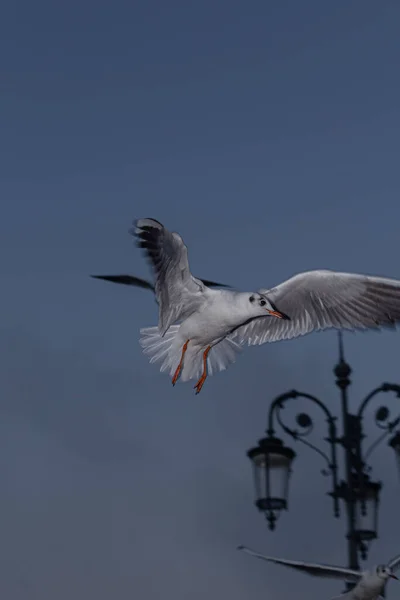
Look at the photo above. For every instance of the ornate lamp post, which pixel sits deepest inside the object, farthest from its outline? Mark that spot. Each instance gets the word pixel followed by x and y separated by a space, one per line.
pixel 272 460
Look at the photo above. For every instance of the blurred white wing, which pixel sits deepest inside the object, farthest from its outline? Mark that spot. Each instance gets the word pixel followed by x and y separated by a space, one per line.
pixel 178 293
pixel 322 299
pixel 348 596
pixel 316 569
pixel 394 564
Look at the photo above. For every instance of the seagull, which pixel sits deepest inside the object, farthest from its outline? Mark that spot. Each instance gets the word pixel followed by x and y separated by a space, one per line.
pixel 369 585
pixel 201 330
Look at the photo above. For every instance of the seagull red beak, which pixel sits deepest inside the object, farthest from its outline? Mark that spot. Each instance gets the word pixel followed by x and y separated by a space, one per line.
pixel 393 576
pixel 276 313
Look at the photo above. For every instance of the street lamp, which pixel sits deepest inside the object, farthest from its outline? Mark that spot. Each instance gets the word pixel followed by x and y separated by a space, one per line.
pixel 272 460
pixel 366 510
pixel 271 466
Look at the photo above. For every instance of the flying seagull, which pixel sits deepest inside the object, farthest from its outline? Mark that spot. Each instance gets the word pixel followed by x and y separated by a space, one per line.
pixel 369 585
pixel 201 330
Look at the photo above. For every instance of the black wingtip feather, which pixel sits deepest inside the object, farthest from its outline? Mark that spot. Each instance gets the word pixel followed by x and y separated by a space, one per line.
pixel 147 227
pixel 214 284
pixel 148 239
pixel 126 280
pixel 155 221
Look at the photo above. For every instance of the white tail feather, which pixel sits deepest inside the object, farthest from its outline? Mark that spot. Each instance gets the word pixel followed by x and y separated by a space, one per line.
pixel 168 351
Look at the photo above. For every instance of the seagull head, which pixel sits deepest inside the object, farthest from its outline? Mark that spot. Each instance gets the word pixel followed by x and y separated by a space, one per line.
pixel 259 306
pixel 384 572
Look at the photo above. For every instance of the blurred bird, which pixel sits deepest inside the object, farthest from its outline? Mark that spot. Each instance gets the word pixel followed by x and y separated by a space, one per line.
pixel 369 584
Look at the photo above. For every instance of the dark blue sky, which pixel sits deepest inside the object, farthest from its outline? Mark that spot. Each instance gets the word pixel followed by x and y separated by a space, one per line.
pixel 266 133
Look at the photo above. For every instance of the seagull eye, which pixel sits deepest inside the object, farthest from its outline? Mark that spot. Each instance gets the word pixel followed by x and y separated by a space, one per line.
pixel 251 298
pixel 262 303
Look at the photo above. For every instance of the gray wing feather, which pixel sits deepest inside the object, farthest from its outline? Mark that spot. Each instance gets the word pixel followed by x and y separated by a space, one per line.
pixel 315 569
pixel 394 564
pixel 318 300
pixel 178 293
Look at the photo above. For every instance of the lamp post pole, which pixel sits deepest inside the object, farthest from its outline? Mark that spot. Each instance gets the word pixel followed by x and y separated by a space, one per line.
pixel 272 460
pixel 351 443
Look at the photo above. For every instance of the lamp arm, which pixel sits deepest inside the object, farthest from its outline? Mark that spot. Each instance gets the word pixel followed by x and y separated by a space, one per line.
pixel 388 429
pixel 385 387
pixel 306 423
pixel 380 421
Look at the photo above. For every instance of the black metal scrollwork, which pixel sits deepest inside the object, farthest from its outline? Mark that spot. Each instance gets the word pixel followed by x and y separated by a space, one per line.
pixel 306 425
pixel 381 416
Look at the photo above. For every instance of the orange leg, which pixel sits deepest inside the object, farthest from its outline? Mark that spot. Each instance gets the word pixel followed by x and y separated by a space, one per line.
pixel 202 379
pixel 179 367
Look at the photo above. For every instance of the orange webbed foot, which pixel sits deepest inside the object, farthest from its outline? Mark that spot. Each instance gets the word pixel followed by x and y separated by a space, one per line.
pixel 179 367
pixel 202 379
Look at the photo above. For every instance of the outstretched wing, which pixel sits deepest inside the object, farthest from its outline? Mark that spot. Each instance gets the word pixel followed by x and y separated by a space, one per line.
pixel 394 564
pixel 143 283
pixel 350 596
pixel 323 299
pixel 213 284
pixel 178 293
pixel 126 280
pixel 316 569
